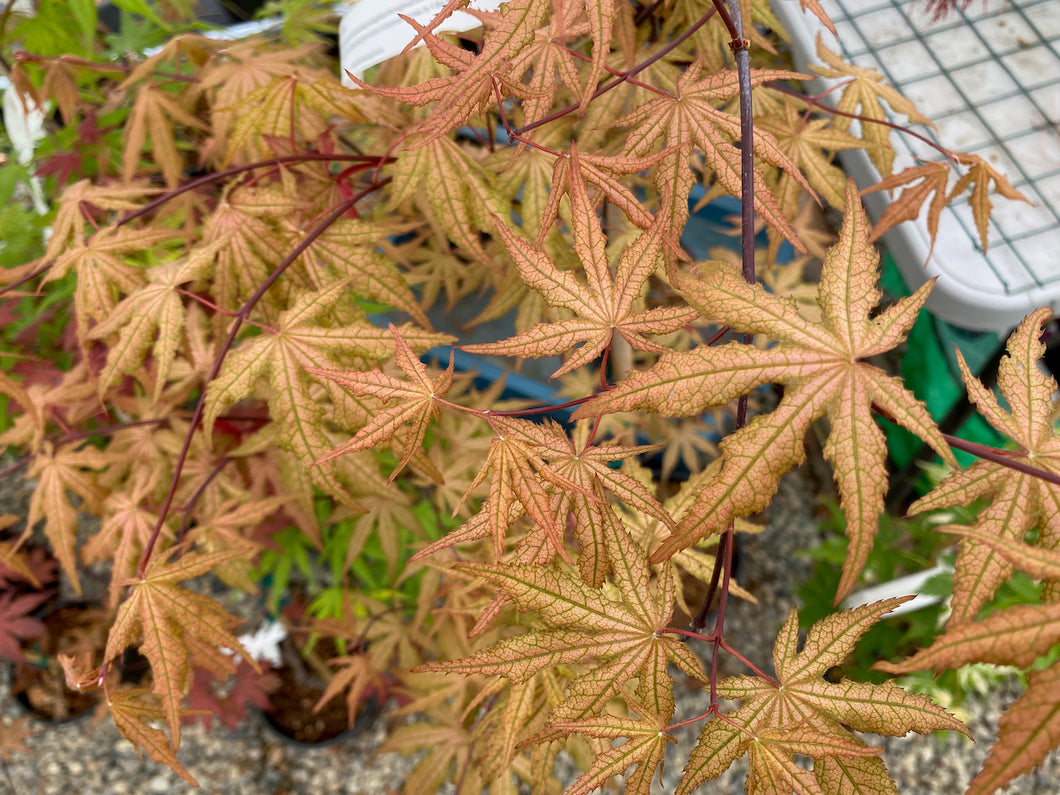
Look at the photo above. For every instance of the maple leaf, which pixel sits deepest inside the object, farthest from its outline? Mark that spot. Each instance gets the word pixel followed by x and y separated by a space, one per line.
pixel 15 622
pixel 155 306
pixel 125 530
pixel 155 114
pixel 169 622
pixel 589 472
pixel 293 106
pixel 104 270
pixel 804 713
pixel 690 119
pixel 863 95
pixel 76 205
pixel 285 357
pixel 979 176
pixel 473 89
pixel 224 529
pixel 618 630
pixel 809 142
pixel 603 307
pixel 12 733
pixel 1019 635
pixel 349 248
pixel 919 183
pixel 443 179
pixel 242 223
pixel 418 403
pixel 250 689
pixel 133 712
pixel 571 172
pixel 823 369
pixel 1019 501
pixel 645 746
pixel 59 472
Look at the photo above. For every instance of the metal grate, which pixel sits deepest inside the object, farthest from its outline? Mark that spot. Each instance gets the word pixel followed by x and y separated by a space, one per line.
pixel 989 76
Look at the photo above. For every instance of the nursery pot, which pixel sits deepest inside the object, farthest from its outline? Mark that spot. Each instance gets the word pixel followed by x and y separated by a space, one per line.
pixel 291 716
pixel 40 685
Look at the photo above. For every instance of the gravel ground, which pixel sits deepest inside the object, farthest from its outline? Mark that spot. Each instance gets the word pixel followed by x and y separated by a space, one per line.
pixel 91 758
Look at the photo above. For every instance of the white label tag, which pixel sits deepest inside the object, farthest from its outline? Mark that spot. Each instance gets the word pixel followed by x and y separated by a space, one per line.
pixel 371 31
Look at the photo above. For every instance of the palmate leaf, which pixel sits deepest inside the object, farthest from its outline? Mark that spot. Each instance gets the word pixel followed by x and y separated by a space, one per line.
pixel 613 634
pixel 823 369
pixel 804 713
pixel 645 746
pixel 1030 728
pixel 417 398
pixel 169 622
pixel 1019 501
pixel 155 306
pixel 691 119
pixel 603 307
pixel 473 89
pixel 155 116
pixel 58 473
pixel 440 176
pixel 979 176
pixel 863 94
pixel 133 712
pixel 301 343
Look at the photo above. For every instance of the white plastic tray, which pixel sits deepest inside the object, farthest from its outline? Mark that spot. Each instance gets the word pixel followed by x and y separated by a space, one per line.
pixel 990 79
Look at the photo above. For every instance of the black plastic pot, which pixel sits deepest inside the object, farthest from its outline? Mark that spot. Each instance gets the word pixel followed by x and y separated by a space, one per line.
pixel 292 717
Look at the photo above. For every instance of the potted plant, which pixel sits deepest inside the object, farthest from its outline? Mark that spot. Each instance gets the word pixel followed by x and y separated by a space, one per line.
pixel 253 259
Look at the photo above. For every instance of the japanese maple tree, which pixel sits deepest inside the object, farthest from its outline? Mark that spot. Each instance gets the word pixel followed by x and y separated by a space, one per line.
pixel 255 263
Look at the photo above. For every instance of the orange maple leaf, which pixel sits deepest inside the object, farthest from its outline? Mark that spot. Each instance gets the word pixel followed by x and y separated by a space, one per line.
pixel 804 713
pixel 1019 501
pixel 169 623
pixel 603 307
pixel 418 404
pixel 979 176
pixel 825 373
pixel 479 77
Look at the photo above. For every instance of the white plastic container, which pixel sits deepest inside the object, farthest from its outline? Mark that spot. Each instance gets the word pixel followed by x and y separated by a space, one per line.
pixel 990 79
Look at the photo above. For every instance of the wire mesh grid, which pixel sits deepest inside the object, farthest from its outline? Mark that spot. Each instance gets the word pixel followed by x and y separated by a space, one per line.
pixel 989 76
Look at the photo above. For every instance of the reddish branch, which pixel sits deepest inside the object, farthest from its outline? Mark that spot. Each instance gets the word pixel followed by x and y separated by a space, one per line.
pixel 336 213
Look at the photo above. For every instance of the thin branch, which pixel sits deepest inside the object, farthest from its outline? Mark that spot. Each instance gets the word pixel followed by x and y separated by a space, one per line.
pixel 307 157
pixel 1003 457
pixel 815 102
pixel 200 407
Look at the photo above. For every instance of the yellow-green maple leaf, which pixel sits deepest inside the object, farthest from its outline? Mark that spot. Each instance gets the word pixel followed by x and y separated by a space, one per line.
pixel 287 356
pixel 864 93
pixel 804 713
pixel 613 633
pixel 168 622
pixel 155 306
pixel 1019 501
pixel 823 368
